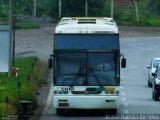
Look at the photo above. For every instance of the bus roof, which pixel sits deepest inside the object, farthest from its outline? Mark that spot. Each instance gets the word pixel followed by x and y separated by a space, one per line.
pixel 86 25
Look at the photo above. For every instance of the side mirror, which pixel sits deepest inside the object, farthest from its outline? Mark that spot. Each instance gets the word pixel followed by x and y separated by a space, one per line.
pixel 123 62
pixel 50 62
pixel 149 67
pixel 154 75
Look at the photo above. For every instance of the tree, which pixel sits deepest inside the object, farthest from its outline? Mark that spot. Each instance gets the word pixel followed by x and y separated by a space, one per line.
pixel 155 6
pixel 96 8
pixel 24 7
pixel 73 8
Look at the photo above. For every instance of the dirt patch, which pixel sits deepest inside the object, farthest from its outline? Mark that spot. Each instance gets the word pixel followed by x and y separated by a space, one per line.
pixel 35 42
pixel 133 31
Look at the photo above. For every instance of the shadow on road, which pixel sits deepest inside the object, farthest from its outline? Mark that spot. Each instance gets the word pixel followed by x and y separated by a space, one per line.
pixel 88 113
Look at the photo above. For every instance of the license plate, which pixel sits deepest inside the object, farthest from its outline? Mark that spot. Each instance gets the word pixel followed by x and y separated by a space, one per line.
pixel 63 104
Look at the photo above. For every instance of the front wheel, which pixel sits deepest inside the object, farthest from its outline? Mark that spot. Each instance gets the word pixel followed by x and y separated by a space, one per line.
pixel 155 96
pixel 149 84
pixel 50 64
pixel 113 111
pixel 60 111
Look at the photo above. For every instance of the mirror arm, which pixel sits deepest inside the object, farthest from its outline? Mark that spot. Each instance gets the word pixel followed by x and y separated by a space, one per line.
pixel 122 55
pixel 51 55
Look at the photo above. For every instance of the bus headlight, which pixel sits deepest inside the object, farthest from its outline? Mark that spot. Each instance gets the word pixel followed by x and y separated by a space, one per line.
pixel 111 90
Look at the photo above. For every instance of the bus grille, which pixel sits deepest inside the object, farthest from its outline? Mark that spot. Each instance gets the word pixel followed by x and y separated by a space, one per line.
pixel 86 92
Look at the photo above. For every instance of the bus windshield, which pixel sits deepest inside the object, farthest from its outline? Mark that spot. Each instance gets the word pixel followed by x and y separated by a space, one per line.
pixel 86 69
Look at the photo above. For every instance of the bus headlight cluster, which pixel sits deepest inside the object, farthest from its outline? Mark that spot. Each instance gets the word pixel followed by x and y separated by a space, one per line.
pixel 111 90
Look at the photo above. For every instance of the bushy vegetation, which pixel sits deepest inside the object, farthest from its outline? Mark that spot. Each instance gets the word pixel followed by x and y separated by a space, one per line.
pixel 124 10
pixel 32 74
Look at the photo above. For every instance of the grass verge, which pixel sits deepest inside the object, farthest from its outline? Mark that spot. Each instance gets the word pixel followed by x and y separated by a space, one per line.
pixel 4 21
pixel 32 74
pixel 27 25
pixel 151 21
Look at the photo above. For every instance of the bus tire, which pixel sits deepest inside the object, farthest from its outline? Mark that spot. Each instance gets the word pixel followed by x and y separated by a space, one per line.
pixel 50 64
pixel 60 111
pixel 149 84
pixel 113 111
pixel 156 96
pixel 153 95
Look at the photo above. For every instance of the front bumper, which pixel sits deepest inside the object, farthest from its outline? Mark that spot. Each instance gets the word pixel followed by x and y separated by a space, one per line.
pixel 86 102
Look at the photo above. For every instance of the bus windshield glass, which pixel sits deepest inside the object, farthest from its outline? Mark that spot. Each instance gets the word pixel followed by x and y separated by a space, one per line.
pixel 71 69
pixel 86 69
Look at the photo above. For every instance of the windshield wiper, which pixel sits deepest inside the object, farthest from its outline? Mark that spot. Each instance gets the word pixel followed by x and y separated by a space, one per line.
pixel 79 74
pixel 95 76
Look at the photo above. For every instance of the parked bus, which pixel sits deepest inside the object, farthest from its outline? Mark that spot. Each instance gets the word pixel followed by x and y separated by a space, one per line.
pixel 86 64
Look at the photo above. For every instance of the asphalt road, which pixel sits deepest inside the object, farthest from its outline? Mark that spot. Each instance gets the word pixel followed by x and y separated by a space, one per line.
pixel 139 45
pixel 136 96
pixel 139 52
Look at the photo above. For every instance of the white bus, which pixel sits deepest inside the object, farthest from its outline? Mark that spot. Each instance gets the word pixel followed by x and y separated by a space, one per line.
pixel 86 64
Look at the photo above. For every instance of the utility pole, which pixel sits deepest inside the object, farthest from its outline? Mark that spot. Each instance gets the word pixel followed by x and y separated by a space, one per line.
pixel 11 35
pixel 112 8
pixel 35 8
pixel 60 9
pixel 12 27
pixel 136 10
pixel 86 8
